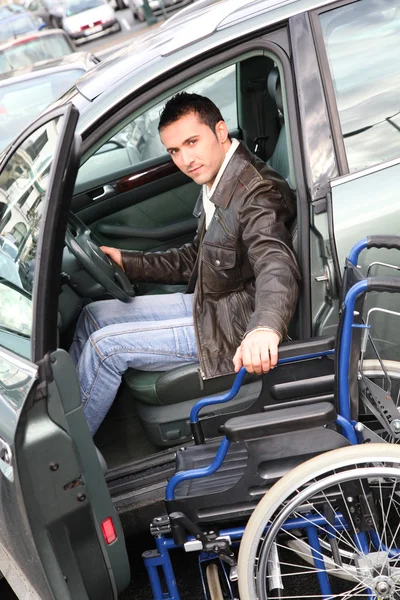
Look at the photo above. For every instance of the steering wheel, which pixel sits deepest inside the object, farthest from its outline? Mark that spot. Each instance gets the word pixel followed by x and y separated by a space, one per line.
pixel 86 248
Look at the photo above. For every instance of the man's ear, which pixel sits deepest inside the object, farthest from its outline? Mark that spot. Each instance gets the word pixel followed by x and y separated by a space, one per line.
pixel 221 131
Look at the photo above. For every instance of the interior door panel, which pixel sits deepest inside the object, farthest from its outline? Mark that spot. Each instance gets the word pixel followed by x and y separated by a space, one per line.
pixel 149 208
pixel 170 212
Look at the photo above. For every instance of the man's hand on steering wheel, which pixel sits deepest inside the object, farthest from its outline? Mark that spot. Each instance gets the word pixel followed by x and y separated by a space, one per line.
pixel 114 254
pixel 104 267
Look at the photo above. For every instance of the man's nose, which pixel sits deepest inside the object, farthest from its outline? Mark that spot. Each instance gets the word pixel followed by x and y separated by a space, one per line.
pixel 186 157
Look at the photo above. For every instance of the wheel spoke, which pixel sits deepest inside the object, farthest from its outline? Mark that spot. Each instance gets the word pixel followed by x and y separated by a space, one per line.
pixel 341 561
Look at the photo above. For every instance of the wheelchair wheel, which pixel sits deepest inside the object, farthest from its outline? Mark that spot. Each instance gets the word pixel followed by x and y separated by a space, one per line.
pixel 330 528
pixel 373 370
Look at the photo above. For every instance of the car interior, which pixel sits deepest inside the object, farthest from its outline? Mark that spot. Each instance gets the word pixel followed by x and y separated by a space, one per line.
pixel 130 195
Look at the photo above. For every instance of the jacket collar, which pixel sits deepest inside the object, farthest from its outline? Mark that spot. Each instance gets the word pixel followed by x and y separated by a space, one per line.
pixel 229 180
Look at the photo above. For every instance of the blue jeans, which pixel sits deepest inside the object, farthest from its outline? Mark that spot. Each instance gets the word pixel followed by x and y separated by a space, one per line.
pixel 152 333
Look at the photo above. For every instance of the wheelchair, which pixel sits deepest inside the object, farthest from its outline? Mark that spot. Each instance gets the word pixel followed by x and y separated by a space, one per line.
pixel 303 499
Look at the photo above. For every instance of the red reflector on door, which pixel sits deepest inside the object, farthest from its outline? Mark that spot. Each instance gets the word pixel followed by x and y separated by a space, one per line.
pixel 108 530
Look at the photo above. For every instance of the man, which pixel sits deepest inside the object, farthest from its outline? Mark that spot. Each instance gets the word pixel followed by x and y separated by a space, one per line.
pixel 240 269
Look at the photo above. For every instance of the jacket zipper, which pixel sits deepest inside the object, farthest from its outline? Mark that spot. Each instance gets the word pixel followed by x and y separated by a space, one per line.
pixel 196 331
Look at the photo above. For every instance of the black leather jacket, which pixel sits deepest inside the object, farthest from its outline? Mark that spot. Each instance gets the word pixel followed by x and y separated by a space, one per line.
pixel 242 269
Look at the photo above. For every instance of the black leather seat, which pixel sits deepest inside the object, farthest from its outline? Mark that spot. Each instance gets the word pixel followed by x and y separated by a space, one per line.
pixel 279 160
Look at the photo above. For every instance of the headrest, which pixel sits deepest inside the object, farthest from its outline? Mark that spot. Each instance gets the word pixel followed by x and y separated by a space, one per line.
pixel 274 88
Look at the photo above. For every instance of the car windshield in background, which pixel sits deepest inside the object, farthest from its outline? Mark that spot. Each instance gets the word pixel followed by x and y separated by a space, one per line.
pixel 18 25
pixel 22 101
pixel 73 8
pixel 27 52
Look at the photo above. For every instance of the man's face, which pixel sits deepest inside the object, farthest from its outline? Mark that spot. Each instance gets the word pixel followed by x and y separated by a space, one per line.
pixel 195 149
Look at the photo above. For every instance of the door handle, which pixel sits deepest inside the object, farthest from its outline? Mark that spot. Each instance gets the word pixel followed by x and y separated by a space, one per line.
pixel 108 192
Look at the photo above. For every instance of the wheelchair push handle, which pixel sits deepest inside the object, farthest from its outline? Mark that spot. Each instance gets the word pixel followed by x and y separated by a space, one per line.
pixel 383 284
pixel 390 242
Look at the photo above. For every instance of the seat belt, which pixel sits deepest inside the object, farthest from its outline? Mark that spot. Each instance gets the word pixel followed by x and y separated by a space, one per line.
pixel 256 87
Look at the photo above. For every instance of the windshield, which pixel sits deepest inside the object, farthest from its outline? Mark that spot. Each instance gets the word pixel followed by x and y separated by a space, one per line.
pixel 18 108
pixel 27 52
pixel 16 26
pixel 78 6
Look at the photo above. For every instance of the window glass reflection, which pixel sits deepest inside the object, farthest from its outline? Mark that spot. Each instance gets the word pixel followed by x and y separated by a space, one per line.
pixel 23 186
pixel 362 44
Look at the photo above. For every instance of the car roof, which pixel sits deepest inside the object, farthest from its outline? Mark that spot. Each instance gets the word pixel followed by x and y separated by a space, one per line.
pixel 19 39
pixel 82 60
pixel 163 48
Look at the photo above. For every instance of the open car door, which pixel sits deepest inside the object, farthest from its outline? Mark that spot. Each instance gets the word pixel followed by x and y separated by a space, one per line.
pixel 60 536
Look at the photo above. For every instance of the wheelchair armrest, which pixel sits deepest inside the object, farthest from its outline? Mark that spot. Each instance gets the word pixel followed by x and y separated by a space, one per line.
pixel 281 420
pixel 306 346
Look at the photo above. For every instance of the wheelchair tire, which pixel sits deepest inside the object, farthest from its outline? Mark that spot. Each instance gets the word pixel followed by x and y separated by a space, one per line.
pixel 372 369
pixel 328 471
pixel 213 583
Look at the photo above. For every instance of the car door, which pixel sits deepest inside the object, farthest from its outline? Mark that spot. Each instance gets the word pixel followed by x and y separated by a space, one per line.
pixel 359 61
pixel 59 534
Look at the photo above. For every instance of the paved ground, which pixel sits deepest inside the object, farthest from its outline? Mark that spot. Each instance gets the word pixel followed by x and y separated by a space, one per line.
pixel 185 566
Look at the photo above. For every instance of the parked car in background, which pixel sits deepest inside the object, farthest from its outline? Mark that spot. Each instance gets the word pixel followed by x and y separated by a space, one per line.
pixel 15 20
pixel 32 48
pixel 159 7
pixel 24 94
pixel 120 4
pixel 84 19
pixel 51 11
pixel 8 246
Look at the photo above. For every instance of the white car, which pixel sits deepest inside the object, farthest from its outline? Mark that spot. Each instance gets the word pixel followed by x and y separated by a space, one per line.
pixel 86 19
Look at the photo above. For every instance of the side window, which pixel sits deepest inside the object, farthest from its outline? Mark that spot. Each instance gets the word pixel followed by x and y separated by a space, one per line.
pixel 362 45
pixel 23 186
pixel 138 140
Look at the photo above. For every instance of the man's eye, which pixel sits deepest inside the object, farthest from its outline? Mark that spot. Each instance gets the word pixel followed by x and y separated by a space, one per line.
pixel 192 142
pixel 172 152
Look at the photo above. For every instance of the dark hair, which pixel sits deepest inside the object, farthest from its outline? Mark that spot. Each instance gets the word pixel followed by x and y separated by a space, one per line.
pixel 183 104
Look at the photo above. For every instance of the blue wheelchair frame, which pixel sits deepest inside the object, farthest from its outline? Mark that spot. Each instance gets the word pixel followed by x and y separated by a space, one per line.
pixel 160 559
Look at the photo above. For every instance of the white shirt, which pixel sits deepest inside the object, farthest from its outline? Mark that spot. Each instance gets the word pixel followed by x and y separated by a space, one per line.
pixel 208 206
